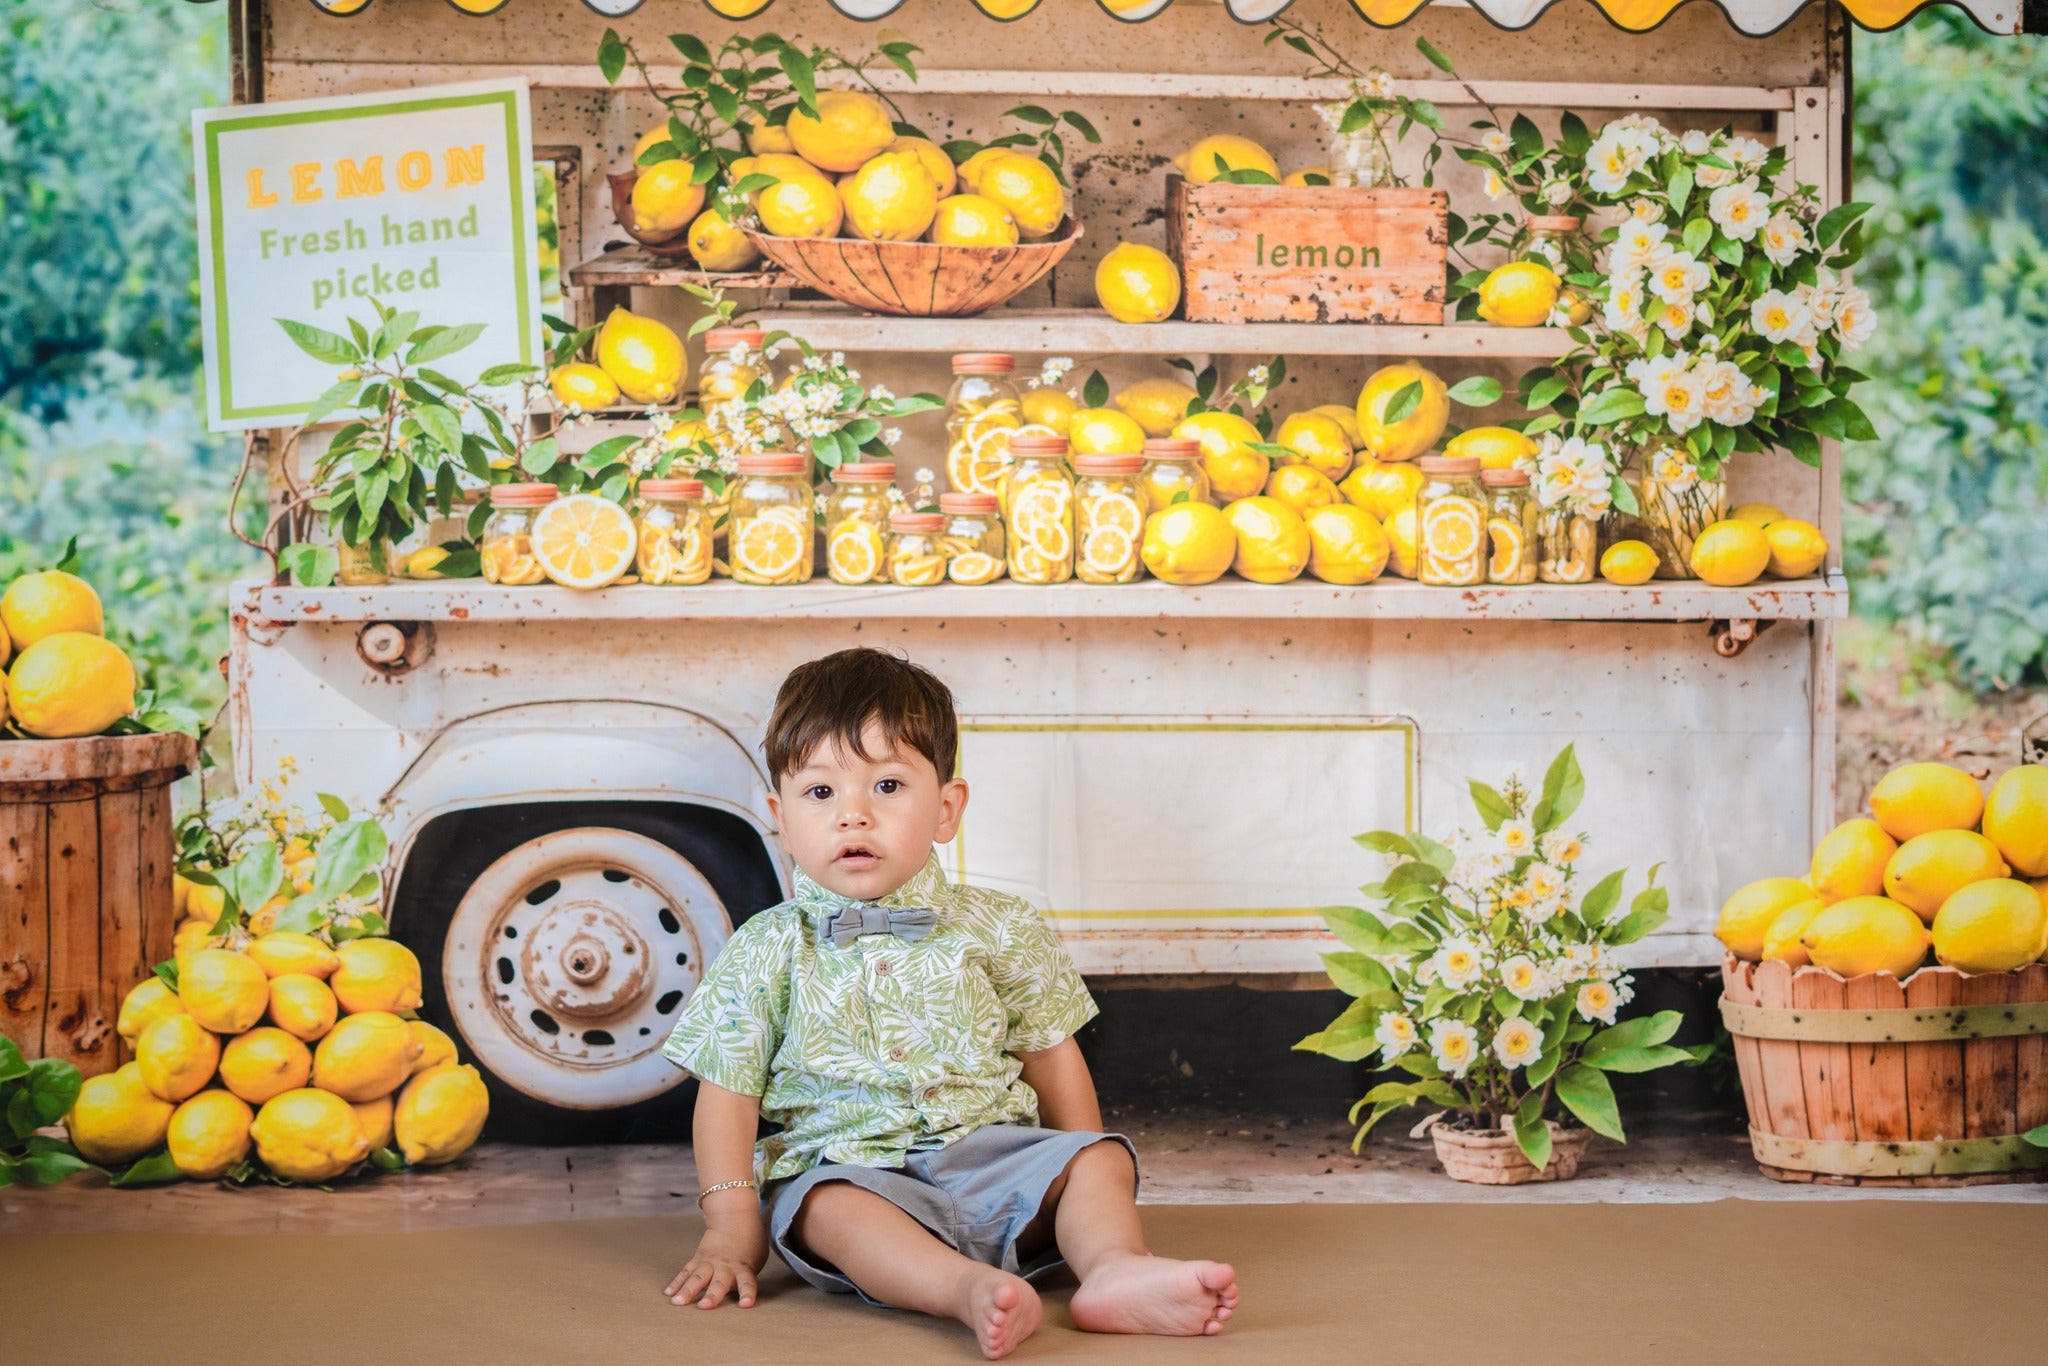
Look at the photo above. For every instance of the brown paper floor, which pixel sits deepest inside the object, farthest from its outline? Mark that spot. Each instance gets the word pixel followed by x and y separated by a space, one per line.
pixel 1736 1281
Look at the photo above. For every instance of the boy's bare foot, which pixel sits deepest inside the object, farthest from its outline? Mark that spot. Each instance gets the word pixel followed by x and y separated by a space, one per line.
pixel 1002 1309
pixel 1143 1294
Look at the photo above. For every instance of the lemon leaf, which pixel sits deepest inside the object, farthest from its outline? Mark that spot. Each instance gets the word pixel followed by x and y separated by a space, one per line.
pixel 1532 1135
pixel 1564 787
pixel 611 56
pixel 1587 1093
pixel 1475 391
pixel 1491 806
pixel 149 1170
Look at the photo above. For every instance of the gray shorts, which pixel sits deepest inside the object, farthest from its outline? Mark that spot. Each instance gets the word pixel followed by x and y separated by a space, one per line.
pixel 976 1196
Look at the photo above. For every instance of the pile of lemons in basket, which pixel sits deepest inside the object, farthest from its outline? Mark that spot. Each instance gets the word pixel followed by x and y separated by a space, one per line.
pixel 1937 864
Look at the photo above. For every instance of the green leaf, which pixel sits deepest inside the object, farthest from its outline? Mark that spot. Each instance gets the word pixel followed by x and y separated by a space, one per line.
pixel 1639 1059
pixel 12 1063
pixel 445 342
pixel 1492 807
pixel 387 1160
pixel 335 807
pixel 1080 125
pixel 345 854
pixel 1031 113
pixel 1678 191
pixel 1385 842
pixel 1356 929
pixel 1403 402
pixel 338 395
pixel 1095 393
pixel 802 79
pixel 2037 1137
pixel 1358 976
pixel 1836 221
pixel 1645 1031
pixel 1532 1135
pixel 319 344
pixel 611 56
pixel 1476 391
pixel 1650 909
pixel 1436 58
pixel 148 1171
pixel 309 565
pixel 51 1087
pixel 1545 392
pixel 1564 787
pixel 442 425
pixel 1586 1093
pixel 540 457
pixel 1599 903
pixel 48 1165
pixel 256 876
pixel 1610 406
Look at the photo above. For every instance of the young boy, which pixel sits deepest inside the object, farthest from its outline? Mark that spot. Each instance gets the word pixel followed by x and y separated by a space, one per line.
pixel 910 1036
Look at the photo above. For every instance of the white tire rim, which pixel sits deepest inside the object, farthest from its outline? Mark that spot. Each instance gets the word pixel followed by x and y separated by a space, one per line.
pixel 566 962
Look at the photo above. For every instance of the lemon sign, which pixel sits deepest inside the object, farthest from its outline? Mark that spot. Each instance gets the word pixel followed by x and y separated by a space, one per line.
pixel 311 209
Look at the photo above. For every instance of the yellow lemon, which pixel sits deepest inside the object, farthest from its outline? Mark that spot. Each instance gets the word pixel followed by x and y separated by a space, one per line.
pixel 1345 416
pixel 1763 514
pixel 1797 548
pixel 779 165
pixel 1188 543
pixel 1212 156
pixel 1930 868
pixel 1628 563
pixel 2016 819
pixel 1272 540
pixel 968 220
pixel 176 1056
pixel 263 1063
pixel 70 684
pixel 149 1001
pixel 768 137
pixel 365 1056
pixel 1025 188
pixel 116 1118
pixel 1495 448
pixel 971 169
pixel 440 1113
pixel 435 1045
pixel 1318 441
pixel 222 990
pixel 1747 915
pixel 1519 294
pixel 1103 431
pixel 1403 553
pixel 933 158
pixel 1157 405
pixel 801 206
pixel 49 603
pixel 851 127
pixel 205 903
pixel 425 563
pixel 1047 407
pixel 1913 799
pixel 1346 544
pixel 190 936
pixel 1866 934
pixel 308 1135
pixel 1851 860
pixel 643 357
pixel 716 244
pixel 376 974
pixel 1137 284
pixel 302 1006
pixel 665 199
pixel 1992 926
pixel 1234 468
pixel 1729 554
pixel 890 198
pixel 656 134
pixel 1307 176
pixel 1413 434
pixel 208 1134
pixel 374 1117
pixel 1301 488
pixel 282 951
pixel 1781 940
pixel 1382 490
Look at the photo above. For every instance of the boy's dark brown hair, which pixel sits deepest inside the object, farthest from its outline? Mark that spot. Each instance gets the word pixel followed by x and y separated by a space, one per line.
pixel 832 700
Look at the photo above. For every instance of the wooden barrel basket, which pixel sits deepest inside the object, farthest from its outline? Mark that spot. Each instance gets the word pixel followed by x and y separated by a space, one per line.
pixel 85 886
pixel 1871 1081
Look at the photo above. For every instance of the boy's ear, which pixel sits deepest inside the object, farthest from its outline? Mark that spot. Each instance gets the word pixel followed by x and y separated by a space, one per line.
pixel 952 805
pixel 775 805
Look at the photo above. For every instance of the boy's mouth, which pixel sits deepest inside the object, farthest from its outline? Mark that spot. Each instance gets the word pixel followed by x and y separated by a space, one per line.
pixel 856 858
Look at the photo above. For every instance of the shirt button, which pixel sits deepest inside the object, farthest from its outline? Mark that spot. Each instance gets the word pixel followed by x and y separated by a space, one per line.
pixel 896 1055
pixel 882 968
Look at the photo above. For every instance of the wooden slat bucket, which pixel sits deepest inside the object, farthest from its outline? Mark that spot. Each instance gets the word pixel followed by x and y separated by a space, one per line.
pixel 85 886
pixel 1872 1081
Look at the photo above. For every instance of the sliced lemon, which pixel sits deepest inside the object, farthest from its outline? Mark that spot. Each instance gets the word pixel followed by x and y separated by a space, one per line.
pixel 917 571
pixel 1509 548
pixel 1111 552
pixel 974 567
pixel 1115 510
pixel 584 541
pixel 1451 530
pixel 509 560
pixel 853 552
pixel 1028 566
pixel 768 548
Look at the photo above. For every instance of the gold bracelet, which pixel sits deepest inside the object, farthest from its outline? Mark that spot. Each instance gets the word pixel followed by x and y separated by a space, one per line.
pixel 721 1186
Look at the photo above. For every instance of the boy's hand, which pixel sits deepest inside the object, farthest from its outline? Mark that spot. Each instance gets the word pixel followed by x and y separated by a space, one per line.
pixel 729 1257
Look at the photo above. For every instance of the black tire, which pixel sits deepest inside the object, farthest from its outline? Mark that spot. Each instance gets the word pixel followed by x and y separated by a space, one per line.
pixel 454 851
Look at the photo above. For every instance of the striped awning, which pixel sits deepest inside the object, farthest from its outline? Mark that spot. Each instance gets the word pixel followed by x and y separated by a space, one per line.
pixel 1753 17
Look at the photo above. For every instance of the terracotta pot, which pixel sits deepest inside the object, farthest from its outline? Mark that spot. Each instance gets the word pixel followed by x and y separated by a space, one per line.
pixel 1489 1157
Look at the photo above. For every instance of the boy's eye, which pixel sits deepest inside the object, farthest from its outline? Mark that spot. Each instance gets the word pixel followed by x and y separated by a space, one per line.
pixel 817 792
pixel 889 787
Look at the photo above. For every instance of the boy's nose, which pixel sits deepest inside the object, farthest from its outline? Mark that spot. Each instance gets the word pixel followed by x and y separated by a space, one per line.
pixel 853 816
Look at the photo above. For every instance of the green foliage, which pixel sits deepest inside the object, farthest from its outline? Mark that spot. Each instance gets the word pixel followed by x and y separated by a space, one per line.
pixel 35 1095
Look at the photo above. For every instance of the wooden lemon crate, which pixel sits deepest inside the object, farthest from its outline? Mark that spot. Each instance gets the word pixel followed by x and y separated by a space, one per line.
pixel 1308 254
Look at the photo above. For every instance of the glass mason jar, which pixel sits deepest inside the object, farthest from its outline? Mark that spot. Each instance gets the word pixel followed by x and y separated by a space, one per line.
pixel 772 530
pixel 364 566
pixel 916 559
pixel 675 532
pixel 1450 523
pixel 507 546
pixel 983 410
pixel 1173 465
pixel 1039 511
pixel 857 509
pixel 1549 238
pixel 1677 503
pixel 973 537
pixel 1511 517
pixel 1109 517
pixel 732 362
pixel 1570 546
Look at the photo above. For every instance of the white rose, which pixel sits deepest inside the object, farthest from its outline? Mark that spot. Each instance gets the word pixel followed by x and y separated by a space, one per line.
pixel 1782 317
pixel 1739 210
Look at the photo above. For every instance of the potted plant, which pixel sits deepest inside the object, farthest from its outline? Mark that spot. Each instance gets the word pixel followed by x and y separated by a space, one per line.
pixel 1487 977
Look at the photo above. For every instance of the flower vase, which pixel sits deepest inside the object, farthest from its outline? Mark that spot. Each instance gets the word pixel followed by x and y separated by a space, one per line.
pixel 1678 502
pixel 1357 158
pixel 1568 546
pixel 1491 1157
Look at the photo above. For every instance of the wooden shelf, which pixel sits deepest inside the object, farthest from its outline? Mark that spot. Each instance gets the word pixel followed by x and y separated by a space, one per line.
pixel 1230 599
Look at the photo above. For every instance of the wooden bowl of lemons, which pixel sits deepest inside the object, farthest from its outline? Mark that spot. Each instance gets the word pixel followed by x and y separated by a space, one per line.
pixel 917 279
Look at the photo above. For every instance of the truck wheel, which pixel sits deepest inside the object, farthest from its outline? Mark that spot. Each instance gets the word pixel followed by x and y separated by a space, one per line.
pixel 557 945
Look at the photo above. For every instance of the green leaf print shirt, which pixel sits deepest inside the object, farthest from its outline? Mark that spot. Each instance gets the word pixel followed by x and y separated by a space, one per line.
pixel 864 1052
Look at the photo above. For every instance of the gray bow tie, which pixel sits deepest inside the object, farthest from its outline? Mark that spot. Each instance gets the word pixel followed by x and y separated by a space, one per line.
pixel 849 923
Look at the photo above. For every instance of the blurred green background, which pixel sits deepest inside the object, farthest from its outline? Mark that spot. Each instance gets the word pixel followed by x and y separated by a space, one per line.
pixel 100 437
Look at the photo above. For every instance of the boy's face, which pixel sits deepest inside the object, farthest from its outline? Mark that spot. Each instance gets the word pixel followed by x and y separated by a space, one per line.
pixel 863 827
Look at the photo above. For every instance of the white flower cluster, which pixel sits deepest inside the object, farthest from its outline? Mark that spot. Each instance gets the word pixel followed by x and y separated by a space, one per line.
pixel 1573 473
pixel 1801 315
pixel 1688 388
pixel 1053 372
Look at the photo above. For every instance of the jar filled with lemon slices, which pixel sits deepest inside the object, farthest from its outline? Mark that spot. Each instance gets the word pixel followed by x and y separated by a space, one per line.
pixel 916 557
pixel 1510 526
pixel 1109 517
pixel 506 550
pixel 1173 466
pixel 1568 546
pixel 675 532
pixel 973 537
pixel 1450 523
pixel 983 411
pixel 732 362
pixel 771 530
pixel 1038 506
pixel 857 509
